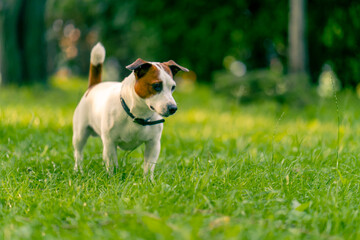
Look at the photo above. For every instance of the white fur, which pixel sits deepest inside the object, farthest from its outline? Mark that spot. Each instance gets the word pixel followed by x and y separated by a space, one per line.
pixel 97 54
pixel 100 113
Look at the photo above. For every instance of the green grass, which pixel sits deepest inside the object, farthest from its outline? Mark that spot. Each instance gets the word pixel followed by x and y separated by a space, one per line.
pixel 226 171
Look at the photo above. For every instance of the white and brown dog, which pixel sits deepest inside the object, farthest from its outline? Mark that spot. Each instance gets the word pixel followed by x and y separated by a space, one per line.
pixel 125 114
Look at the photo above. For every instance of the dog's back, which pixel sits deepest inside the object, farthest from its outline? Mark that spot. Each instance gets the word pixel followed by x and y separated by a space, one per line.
pixel 96 98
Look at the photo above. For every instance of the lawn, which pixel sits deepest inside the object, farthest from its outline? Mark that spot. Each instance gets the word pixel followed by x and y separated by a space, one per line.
pixel 226 171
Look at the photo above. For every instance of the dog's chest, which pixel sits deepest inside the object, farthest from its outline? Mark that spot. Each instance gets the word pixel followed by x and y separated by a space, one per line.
pixel 130 135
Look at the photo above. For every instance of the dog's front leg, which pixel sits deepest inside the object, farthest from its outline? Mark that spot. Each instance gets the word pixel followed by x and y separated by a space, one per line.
pixel 151 155
pixel 109 154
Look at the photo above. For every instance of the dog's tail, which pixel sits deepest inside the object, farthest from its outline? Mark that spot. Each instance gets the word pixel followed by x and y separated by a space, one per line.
pixel 96 61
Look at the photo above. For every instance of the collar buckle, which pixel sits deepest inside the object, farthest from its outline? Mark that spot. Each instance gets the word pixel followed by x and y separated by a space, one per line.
pixel 140 121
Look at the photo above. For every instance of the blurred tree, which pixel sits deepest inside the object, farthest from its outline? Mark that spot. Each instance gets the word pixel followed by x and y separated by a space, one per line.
pixel 297 37
pixel 22 41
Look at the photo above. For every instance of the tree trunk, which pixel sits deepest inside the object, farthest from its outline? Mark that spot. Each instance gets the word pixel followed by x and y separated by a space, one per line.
pixel 298 54
pixel 22 42
pixel 11 68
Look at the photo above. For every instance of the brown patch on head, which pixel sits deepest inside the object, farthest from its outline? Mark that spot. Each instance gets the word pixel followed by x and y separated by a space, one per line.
pixel 143 85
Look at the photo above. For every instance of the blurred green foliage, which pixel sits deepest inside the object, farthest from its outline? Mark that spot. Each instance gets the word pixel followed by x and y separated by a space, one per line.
pixel 263 84
pixel 333 37
pixel 200 34
pixel 197 34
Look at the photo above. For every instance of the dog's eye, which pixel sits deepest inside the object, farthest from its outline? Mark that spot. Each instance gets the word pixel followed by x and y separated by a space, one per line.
pixel 157 86
pixel 173 88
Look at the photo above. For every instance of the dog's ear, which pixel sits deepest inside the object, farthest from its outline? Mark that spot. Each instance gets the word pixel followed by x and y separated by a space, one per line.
pixel 140 67
pixel 175 68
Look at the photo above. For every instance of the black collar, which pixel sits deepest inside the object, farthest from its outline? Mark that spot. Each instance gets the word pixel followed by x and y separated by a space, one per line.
pixel 141 121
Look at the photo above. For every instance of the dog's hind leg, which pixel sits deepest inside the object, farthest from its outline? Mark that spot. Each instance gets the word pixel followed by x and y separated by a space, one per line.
pixel 80 137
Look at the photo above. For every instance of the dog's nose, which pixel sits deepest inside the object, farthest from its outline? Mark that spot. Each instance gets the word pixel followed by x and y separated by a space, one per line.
pixel 172 109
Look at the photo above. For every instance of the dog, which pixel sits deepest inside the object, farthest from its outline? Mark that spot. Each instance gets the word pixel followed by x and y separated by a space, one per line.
pixel 125 114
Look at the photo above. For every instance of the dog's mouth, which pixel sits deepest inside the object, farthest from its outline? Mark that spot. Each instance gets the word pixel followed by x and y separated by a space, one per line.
pixel 161 114
pixel 165 115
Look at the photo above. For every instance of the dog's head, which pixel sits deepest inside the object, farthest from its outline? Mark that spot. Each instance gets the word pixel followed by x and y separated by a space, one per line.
pixel 155 84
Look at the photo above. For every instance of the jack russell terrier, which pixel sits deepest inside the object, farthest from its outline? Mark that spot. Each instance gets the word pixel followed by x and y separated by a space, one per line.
pixel 127 113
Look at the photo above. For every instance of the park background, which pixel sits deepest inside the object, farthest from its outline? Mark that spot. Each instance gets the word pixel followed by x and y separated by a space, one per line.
pixel 214 39
pixel 264 146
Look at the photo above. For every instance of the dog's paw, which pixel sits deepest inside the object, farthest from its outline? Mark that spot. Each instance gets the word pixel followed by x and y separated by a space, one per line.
pixel 78 170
